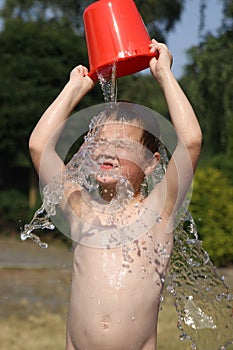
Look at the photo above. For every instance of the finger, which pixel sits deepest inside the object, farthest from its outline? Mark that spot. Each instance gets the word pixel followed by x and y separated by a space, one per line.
pixel 81 70
pixel 153 41
pixel 85 71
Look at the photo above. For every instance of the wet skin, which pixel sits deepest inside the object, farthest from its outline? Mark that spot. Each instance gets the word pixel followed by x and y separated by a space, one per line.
pixel 116 291
pixel 85 327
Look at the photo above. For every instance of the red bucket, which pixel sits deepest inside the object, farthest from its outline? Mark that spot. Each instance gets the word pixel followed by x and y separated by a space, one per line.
pixel 115 33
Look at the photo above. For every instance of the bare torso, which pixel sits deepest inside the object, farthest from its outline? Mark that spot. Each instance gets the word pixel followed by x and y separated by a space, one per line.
pixel 116 292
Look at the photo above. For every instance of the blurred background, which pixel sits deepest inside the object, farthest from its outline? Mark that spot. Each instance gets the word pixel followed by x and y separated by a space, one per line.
pixel 40 42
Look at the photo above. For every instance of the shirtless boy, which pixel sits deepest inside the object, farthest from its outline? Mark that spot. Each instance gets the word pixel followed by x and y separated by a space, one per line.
pixel 116 291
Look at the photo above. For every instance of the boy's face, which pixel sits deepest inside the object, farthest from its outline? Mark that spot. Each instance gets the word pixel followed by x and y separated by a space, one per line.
pixel 120 153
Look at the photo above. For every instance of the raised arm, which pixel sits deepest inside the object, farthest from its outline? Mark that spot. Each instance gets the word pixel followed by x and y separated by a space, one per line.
pixel 185 157
pixel 43 140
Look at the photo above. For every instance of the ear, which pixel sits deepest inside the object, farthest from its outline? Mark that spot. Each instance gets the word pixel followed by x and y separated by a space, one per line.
pixel 152 163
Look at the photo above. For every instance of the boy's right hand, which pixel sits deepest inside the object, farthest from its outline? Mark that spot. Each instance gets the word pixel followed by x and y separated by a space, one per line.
pixel 79 77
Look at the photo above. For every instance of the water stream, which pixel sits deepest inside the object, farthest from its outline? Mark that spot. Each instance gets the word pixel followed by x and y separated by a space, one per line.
pixel 202 299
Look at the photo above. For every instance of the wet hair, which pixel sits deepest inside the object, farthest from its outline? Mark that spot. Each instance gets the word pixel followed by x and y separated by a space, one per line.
pixel 139 116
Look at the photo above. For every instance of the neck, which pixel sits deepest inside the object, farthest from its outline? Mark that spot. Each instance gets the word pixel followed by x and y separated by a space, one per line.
pixel 109 193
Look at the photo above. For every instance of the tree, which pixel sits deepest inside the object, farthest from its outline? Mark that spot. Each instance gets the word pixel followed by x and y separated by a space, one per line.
pixel 208 81
pixel 142 89
pixel 34 61
pixel 40 42
pixel 37 45
pixel 160 16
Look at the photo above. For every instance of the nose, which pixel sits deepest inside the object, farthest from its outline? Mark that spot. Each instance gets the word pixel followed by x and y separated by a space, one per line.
pixel 111 150
pixel 104 149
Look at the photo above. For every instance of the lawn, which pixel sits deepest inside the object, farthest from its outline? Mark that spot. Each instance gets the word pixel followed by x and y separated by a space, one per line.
pixel 33 312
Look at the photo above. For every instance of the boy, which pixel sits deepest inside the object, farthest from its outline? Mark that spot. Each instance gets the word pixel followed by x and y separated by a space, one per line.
pixel 116 290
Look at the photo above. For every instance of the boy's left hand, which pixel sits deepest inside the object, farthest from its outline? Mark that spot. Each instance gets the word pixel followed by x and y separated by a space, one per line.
pixel 164 61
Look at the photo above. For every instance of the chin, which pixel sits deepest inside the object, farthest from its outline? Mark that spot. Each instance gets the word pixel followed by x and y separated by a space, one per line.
pixel 106 179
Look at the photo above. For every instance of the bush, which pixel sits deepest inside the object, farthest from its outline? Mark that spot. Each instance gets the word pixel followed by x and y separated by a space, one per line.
pixel 13 205
pixel 212 208
pixel 224 164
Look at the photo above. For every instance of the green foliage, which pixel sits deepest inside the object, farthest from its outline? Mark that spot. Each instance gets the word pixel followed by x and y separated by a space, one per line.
pixel 64 12
pixel 209 84
pixel 39 45
pixel 228 10
pixel 13 206
pixel 224 163
pixel 159 16
pixel 142 89
pixel 35 60
pixel 212 207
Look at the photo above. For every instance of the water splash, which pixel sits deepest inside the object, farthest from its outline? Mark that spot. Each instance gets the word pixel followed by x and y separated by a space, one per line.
pixel 202 299
pixel 40 221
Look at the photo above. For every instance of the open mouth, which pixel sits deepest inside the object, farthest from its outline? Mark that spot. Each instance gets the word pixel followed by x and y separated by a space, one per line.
pixel 108 164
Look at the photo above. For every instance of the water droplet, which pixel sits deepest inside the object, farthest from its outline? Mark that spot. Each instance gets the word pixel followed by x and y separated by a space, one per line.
pixel 158 219
pixel 98 307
